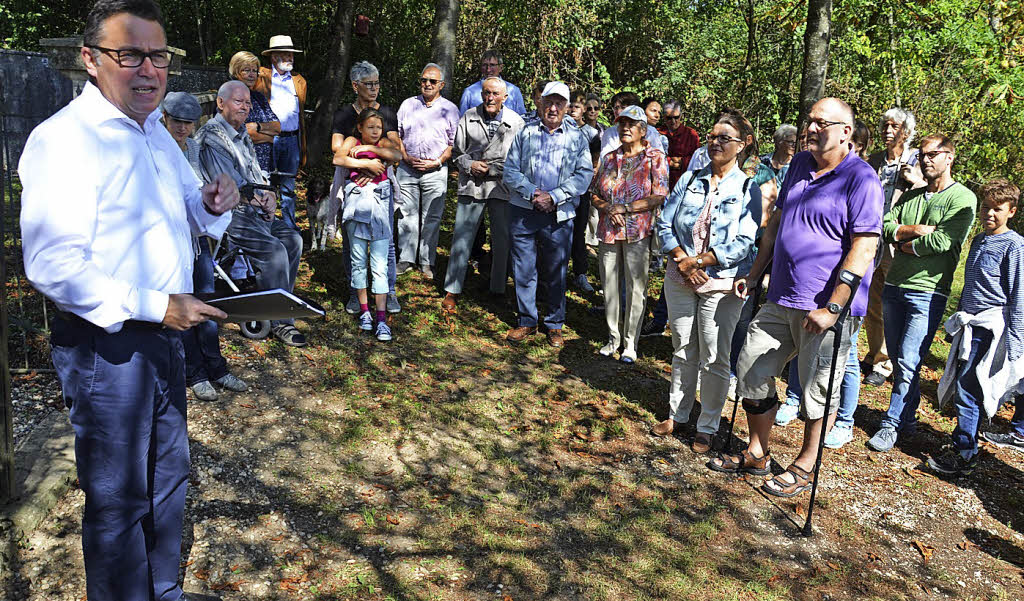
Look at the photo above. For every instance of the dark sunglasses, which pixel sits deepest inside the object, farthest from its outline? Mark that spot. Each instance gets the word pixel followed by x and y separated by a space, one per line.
pixel 429 80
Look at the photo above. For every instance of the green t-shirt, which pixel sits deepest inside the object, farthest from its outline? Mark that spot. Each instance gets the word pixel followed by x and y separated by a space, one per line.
pixel 951 211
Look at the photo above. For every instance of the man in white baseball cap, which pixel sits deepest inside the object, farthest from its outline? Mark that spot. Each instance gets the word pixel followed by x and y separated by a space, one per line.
pixel 547 169
pixel 286 92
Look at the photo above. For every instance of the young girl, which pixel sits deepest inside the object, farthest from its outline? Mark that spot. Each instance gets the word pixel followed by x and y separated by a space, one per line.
pixel 366 215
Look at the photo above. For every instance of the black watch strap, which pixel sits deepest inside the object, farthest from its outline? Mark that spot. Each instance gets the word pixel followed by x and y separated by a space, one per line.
pixel 833 308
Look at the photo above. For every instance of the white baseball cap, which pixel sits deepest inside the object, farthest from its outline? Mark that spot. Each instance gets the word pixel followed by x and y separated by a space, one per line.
pixel 556 88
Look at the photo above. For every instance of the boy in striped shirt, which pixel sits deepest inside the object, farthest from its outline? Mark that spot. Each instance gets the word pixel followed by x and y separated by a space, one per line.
pixel 989 328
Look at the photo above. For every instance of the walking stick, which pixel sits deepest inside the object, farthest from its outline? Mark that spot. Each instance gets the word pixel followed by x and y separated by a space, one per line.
pixel 853 281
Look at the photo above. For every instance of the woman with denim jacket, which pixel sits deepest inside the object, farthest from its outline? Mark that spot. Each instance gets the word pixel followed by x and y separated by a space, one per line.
pixel 707 227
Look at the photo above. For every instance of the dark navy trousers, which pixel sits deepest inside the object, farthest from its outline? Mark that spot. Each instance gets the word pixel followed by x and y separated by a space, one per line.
pixel 540 258
pixel 126 392
pixel 203 360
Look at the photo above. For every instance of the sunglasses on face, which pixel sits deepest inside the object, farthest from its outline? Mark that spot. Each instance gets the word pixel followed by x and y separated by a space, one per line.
pixel 672 117
pixel 428 80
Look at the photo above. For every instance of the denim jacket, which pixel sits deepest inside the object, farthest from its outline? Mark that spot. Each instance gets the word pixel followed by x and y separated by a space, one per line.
pixel 574 175
pixel 734 219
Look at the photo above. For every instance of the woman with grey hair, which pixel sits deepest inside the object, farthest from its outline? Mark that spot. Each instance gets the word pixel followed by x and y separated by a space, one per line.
pixel 774 166
pixel 365 80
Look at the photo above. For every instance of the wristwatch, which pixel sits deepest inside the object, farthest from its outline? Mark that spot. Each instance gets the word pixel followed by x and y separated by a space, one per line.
pixel 833 308
pixel 700 262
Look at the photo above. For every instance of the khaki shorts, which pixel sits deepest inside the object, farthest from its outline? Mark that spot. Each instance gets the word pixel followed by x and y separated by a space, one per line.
pixel 774 337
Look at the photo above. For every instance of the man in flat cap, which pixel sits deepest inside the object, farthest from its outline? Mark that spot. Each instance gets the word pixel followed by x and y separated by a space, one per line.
pixel 286 92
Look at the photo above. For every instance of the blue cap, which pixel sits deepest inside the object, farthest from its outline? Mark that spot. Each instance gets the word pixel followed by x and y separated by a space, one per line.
pixel 633 112
pixel 181 106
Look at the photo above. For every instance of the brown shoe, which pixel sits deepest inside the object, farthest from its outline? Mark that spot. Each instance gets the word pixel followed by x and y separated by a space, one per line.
pixel 666 427
pixel 555 338
pixel 448 304
pixel 517 335
pixel 701 443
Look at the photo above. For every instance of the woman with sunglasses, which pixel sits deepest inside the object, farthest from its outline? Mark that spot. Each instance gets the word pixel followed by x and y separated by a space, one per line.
pixel 707 227
pixel 262 124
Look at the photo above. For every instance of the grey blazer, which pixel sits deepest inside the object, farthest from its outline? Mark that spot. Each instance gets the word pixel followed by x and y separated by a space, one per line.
pixel 471 144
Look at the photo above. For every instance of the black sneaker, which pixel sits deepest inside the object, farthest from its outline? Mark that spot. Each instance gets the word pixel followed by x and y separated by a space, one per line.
pixel 874 379
pixel 953 463
pixel 651 328
pixel 1006 441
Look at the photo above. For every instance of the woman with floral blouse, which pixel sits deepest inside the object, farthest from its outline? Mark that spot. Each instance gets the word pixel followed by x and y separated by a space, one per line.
pixel 631 182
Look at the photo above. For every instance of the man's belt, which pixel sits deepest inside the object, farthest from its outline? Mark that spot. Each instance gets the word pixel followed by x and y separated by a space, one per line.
pixel 288 134
pixel 75 320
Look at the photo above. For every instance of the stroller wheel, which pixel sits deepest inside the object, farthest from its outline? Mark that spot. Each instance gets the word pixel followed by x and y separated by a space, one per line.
pixel 255 330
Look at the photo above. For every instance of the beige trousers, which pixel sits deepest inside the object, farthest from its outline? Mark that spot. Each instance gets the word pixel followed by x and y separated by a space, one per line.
pixel 626 262
pixel 877 356
pixel 702 326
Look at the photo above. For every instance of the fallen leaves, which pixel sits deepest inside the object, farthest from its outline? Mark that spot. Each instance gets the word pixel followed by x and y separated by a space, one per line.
pixel 965 545
pixel 872 557
pixel 247 405
pixel 394 520
pixel 926 550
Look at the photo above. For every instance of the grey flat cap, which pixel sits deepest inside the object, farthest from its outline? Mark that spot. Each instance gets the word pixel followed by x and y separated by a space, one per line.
pixel 182 106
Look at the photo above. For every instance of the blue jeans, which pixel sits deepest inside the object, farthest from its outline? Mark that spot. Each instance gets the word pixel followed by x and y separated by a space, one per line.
pixel 286 160
pixel 911 318
pixel 540 263
pixel 346 252
pixel 376 251
pixel 849 394
pixel 203 360
pixel 969 398
pixel 126 392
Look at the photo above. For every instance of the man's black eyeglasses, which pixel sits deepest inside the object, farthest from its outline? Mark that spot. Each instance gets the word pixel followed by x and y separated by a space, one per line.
pixel 133 57
pixel 823 124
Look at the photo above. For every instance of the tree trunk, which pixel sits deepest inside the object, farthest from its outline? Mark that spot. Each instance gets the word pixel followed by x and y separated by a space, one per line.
pixel 446 24
pixel 816 40
pixel 319 132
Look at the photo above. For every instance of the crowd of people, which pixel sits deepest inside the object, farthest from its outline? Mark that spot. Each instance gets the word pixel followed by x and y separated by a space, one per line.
pixel 772 261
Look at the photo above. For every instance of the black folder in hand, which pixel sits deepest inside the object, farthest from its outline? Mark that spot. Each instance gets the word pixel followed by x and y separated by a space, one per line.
pixel 267 304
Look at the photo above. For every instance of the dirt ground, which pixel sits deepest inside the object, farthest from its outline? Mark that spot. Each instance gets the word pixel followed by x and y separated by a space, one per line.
pixel 447 465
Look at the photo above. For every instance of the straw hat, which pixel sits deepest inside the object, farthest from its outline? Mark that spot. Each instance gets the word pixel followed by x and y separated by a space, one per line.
pixel 280 43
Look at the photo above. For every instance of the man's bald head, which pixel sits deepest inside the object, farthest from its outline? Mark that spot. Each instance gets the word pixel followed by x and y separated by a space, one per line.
pixel 838 108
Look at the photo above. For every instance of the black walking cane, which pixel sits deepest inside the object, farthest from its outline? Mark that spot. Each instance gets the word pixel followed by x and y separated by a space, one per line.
pixel 853 281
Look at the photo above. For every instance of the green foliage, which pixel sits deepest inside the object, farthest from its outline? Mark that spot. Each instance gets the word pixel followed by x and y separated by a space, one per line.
pixel 959 64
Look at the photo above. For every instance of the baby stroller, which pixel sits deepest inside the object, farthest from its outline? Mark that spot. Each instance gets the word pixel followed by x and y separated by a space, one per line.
pixel 234 273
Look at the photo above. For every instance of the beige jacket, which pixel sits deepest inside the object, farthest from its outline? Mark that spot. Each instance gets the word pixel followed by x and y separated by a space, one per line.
pixel 471 144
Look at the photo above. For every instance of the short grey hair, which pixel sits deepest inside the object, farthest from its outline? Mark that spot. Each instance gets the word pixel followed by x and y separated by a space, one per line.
pixel 504 88
pixel 906 120
pixel 672 105
pixel 433 66
pixel 782 132
pixel 228 87
pixel 362 70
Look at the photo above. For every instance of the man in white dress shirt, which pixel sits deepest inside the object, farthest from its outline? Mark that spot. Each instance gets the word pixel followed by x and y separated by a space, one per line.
pixel 109 241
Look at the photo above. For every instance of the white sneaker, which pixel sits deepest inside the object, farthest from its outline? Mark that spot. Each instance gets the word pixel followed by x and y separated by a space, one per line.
pixel 609 349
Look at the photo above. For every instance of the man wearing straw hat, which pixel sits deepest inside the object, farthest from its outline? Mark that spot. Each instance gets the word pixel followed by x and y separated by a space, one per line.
pixel 286 92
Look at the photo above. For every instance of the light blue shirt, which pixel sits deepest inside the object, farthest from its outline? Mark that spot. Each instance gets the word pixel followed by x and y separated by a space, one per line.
pixel 528 167
pixel 471 97
pixel 735 216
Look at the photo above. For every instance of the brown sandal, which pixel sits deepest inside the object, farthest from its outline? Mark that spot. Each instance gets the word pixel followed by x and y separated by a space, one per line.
pixel 802 480
pixel 744 463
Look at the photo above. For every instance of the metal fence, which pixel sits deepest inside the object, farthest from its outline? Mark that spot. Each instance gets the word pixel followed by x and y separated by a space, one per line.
pixel 30 91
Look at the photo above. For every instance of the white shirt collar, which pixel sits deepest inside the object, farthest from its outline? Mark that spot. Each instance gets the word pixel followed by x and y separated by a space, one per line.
pixel 99 110
pixel 275 74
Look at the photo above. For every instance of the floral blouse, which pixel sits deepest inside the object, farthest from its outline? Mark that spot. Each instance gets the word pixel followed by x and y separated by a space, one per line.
pixel 622 180
pixel 262 113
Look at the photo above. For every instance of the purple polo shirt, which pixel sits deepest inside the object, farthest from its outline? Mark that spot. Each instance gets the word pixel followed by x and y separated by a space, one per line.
pixel 818 217
pixel 427 130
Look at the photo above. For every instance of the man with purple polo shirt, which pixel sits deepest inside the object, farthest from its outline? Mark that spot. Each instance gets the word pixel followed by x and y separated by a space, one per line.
pixel 426 125
pixel 823 236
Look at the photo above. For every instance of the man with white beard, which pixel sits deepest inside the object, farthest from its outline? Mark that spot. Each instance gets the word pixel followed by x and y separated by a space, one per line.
pixel 286 91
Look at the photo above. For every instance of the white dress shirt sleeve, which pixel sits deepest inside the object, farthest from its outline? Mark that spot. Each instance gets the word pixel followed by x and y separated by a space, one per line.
pixel 59 213
pixel 200 221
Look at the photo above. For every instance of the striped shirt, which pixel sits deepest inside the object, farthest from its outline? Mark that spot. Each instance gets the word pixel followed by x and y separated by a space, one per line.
pixel 992 278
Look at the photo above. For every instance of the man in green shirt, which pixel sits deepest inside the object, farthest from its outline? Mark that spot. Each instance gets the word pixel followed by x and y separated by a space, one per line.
pixel 927 228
